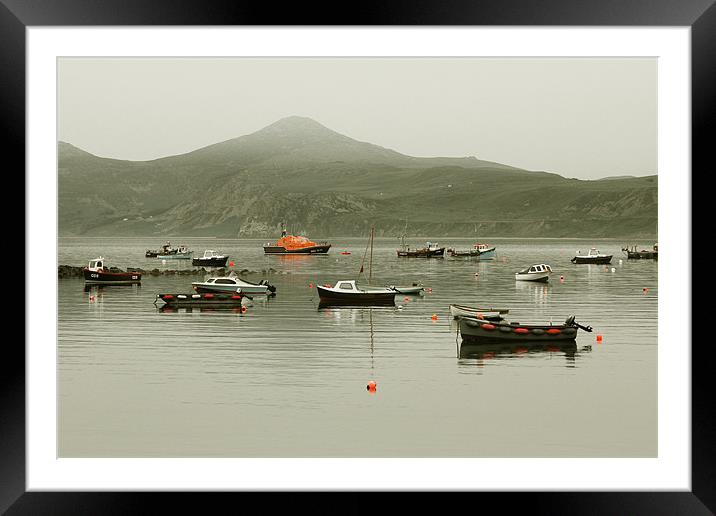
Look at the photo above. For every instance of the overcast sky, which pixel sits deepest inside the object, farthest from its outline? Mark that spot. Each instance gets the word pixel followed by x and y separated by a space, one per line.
pixel 584 118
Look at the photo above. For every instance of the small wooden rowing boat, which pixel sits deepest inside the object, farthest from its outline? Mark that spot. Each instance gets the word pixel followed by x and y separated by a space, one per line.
pixel 488 331
pixel 458 311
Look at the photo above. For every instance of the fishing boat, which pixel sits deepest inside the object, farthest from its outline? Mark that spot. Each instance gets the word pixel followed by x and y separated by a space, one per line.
pixel 232 284
pixel 476 330
pixel 593 256
pixel 181 253
pixel 539 272
pixel 458 311
pixel 479 250
pixel 431 250
pixel 167 251
pixel 97 273
pixel 211 259
pixel 290 244
pixel 644 254
pixel 347 292
pixel 208 299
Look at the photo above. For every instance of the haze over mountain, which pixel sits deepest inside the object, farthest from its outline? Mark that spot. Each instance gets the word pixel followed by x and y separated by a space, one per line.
pixel 323 184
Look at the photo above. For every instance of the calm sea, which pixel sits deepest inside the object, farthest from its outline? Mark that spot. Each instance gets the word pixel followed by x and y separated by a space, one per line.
pixel 288 379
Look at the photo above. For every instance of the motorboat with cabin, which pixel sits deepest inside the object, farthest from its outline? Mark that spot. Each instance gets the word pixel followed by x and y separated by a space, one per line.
pixel 169 252
pixel 348 292
pixel 97 273
pixel 478 250
pixel 431 250
pixel 290 244
pixel 593 256
pixel 538 272
pixel 232 284
pixel 211 258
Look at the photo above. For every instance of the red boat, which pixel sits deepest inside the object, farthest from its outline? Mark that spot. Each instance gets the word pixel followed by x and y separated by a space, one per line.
pixel 97 273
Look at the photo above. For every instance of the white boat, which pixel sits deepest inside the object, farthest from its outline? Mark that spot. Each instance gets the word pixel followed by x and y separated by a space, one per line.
pixel 539 272
pixel 211 259
pixel 232 283
pixel 458 311
pixel 593 256
pixel 347 292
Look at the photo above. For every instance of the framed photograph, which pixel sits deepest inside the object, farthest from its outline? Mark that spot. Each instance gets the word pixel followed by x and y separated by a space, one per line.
pixel 414 253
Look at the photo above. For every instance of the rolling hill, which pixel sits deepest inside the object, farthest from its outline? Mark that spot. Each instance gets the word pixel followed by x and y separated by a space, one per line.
pixel 326 184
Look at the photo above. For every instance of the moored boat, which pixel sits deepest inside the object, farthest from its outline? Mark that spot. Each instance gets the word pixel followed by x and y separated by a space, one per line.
pixel 431 250
pixel 346 292
pixel 97 273
pixel 458 311
pixel 167 251
pixel 231 284
pixel 290 244
pixel 644 254
pixel 487 350
pixel 479 250
pixel 539 272
pixel 472 329
pixel 413 289
pixel 593 256
pixel 211 259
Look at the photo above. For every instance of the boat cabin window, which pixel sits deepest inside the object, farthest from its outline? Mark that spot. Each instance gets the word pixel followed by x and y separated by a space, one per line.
pixel 346 286
pixel 99 264
pixel 93 264
pixel 533 269
pixel 225 281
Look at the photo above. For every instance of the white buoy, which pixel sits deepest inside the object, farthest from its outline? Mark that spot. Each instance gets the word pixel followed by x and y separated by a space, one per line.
pixel 614 269
pixel 620 262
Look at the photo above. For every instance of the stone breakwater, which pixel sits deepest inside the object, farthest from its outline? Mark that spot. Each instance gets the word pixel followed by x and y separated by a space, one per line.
pixel 70 271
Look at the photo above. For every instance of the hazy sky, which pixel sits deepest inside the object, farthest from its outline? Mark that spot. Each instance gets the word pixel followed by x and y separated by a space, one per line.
pixel 584 118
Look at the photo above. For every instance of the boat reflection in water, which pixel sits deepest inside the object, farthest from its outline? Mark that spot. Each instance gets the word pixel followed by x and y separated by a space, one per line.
pixel 203 309
pixel 99 289
pixel 503 350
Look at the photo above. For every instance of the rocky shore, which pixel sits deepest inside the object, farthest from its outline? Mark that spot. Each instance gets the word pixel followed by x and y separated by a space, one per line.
pixel 70 271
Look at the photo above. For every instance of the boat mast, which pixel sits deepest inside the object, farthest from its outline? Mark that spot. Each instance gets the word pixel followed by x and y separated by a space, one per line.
pixel 370 266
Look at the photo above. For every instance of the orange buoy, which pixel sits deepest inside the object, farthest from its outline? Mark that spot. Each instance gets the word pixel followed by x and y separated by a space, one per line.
pixel 430 289
pixel 406 298
pixel 645 290
pixel 371 387
pixel 434 317
pixel 310 285
pixel 231 264
pixel 244 309
pixel 599 338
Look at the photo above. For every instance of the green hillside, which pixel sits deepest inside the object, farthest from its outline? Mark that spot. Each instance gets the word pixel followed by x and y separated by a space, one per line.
pixel 326 184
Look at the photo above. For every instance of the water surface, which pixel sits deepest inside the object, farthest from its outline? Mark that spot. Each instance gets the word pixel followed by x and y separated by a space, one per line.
pixel 287 379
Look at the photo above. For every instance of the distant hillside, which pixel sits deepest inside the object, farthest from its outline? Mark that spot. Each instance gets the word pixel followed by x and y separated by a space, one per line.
pixel 326 184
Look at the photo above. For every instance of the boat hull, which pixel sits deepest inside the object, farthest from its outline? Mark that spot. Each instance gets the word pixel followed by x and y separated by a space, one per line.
pixel 422 253
pixel 458 311
pixel 642 255
pixel 226 289
pixel 210 262
pixel 472 330
pixel 408 291
pixel 175 256
pixel 328 296
pixel 314 249
pixel 538 276
pixel 592 259
pixel 200 300
pixel 111 278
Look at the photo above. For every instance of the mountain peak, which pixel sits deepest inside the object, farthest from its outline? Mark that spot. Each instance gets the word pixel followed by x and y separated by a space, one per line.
pixel 296 125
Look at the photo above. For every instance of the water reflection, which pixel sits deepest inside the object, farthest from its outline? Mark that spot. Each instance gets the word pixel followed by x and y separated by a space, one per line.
pixel 538 292
pixel 489 351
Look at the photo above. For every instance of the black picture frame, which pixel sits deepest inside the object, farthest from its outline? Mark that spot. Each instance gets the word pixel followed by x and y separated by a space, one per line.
pixel 17 15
